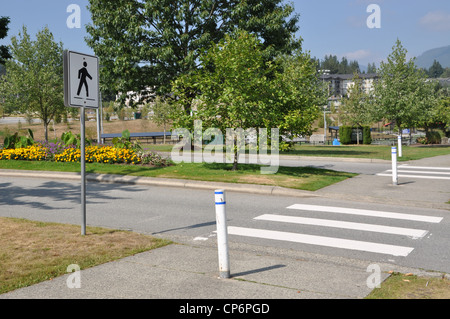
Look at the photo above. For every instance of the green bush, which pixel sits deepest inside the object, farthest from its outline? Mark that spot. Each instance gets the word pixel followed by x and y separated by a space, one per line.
pixel 433 137
pixel 345 135
pixel 17 141
pixel 367 137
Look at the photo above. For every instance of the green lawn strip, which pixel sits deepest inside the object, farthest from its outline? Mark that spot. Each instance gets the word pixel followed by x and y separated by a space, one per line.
pixel 33 251
pixel 368 151
pixel 350 151
pixel 303 178
pixel 407 286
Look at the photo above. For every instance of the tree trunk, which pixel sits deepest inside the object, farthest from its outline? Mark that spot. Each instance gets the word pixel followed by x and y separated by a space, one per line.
pixel 164 138
pixel 46 131
pixel 235 162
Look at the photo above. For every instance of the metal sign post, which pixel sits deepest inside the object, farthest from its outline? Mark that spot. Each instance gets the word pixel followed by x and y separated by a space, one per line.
pixel 83 172
pixel 81 89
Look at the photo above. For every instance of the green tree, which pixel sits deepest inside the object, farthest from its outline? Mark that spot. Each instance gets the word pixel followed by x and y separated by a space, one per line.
pixel 4 52
pixel 34 76
pixel 446 73
pixel 148 43
pixel 371 68
pixel 162 111
pixel 330 63
pixel 436 70
pixel 356 107
pixel 238 88
pixel 402 93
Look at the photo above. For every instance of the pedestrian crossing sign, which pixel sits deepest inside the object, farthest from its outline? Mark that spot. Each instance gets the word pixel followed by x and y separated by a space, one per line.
pixel 81 80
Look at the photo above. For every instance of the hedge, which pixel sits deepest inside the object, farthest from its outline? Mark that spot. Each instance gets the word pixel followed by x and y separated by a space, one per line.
pixel 345 135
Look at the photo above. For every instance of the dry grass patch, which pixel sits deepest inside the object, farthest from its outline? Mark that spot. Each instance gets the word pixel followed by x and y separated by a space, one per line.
pixel 32 252
pixel 407 286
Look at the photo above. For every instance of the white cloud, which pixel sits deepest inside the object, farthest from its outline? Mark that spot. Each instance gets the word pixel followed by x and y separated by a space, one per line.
pixel 436 21
pixel 358 55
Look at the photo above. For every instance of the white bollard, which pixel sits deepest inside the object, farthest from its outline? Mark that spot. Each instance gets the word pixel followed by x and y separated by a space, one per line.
pixel 399 139
pixel 222 234
pixel 394 166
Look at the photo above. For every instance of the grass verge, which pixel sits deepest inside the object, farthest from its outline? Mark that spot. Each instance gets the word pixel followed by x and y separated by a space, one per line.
pixel 303 178
pixel 406 286
pixel 409 153
pixel 33 251
pixel 369 151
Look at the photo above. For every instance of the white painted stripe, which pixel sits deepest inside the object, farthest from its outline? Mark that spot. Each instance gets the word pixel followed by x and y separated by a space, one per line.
pixel 417 176
pixel 321 241
pixel 415 233
pixel 424 167
pixel 364 212
pixel 419 172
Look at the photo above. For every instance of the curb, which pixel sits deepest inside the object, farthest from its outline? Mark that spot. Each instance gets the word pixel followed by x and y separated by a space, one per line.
pixel 167 182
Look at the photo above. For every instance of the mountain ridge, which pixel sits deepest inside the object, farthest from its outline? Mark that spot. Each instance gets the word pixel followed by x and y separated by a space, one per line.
pixel 442 55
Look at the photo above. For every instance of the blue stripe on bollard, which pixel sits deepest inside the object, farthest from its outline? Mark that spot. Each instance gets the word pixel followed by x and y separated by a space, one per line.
pixel 221 203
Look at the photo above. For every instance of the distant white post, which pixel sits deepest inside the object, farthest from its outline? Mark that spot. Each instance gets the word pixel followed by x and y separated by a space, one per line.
pixel 394 166
pixel 399 138
pixel 222 234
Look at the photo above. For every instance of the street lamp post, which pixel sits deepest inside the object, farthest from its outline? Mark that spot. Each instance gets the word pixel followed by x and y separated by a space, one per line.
pixel 324 125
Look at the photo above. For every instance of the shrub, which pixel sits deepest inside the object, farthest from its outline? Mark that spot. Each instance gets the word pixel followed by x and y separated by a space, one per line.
pixel 154 159
pixel 367 137
pixel 16 141
pixel 433 137
pixel 345 135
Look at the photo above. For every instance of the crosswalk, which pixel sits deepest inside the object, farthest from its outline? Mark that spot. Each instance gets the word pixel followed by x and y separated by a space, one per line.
pixel 348 226
pixel 421 172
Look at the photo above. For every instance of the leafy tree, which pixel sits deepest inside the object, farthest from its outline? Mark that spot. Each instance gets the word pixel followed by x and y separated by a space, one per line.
pixel 162 111
pixel 238 88
pixel 34 76
pixel 356 108
pixel 402 94
pixel 4 52
pixel 146 44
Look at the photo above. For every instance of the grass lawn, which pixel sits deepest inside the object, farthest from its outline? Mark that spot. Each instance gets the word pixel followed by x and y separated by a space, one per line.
pixel 33 252
pixel 304 178
pixel 354 151
pixel 369 151
pixel 406 286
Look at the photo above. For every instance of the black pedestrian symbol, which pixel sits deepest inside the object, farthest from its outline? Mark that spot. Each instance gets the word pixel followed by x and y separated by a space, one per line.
pixel 82 74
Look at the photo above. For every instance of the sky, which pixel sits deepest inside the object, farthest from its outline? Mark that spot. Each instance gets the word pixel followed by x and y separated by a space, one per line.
pixel 337 27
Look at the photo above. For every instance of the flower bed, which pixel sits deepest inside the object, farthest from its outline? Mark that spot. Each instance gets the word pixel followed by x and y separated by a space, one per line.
pixel 94 154
pixel 31 153
pixel 99 154
pixel 57 152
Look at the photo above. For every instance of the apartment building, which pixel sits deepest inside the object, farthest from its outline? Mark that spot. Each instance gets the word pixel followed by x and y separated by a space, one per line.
pixel 339 84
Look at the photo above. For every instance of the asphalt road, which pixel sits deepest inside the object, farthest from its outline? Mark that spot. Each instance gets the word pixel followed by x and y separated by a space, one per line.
pixel 188 215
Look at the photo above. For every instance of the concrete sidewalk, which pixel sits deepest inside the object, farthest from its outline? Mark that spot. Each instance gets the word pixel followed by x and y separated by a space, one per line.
pixel 190 270
pixel 180 271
